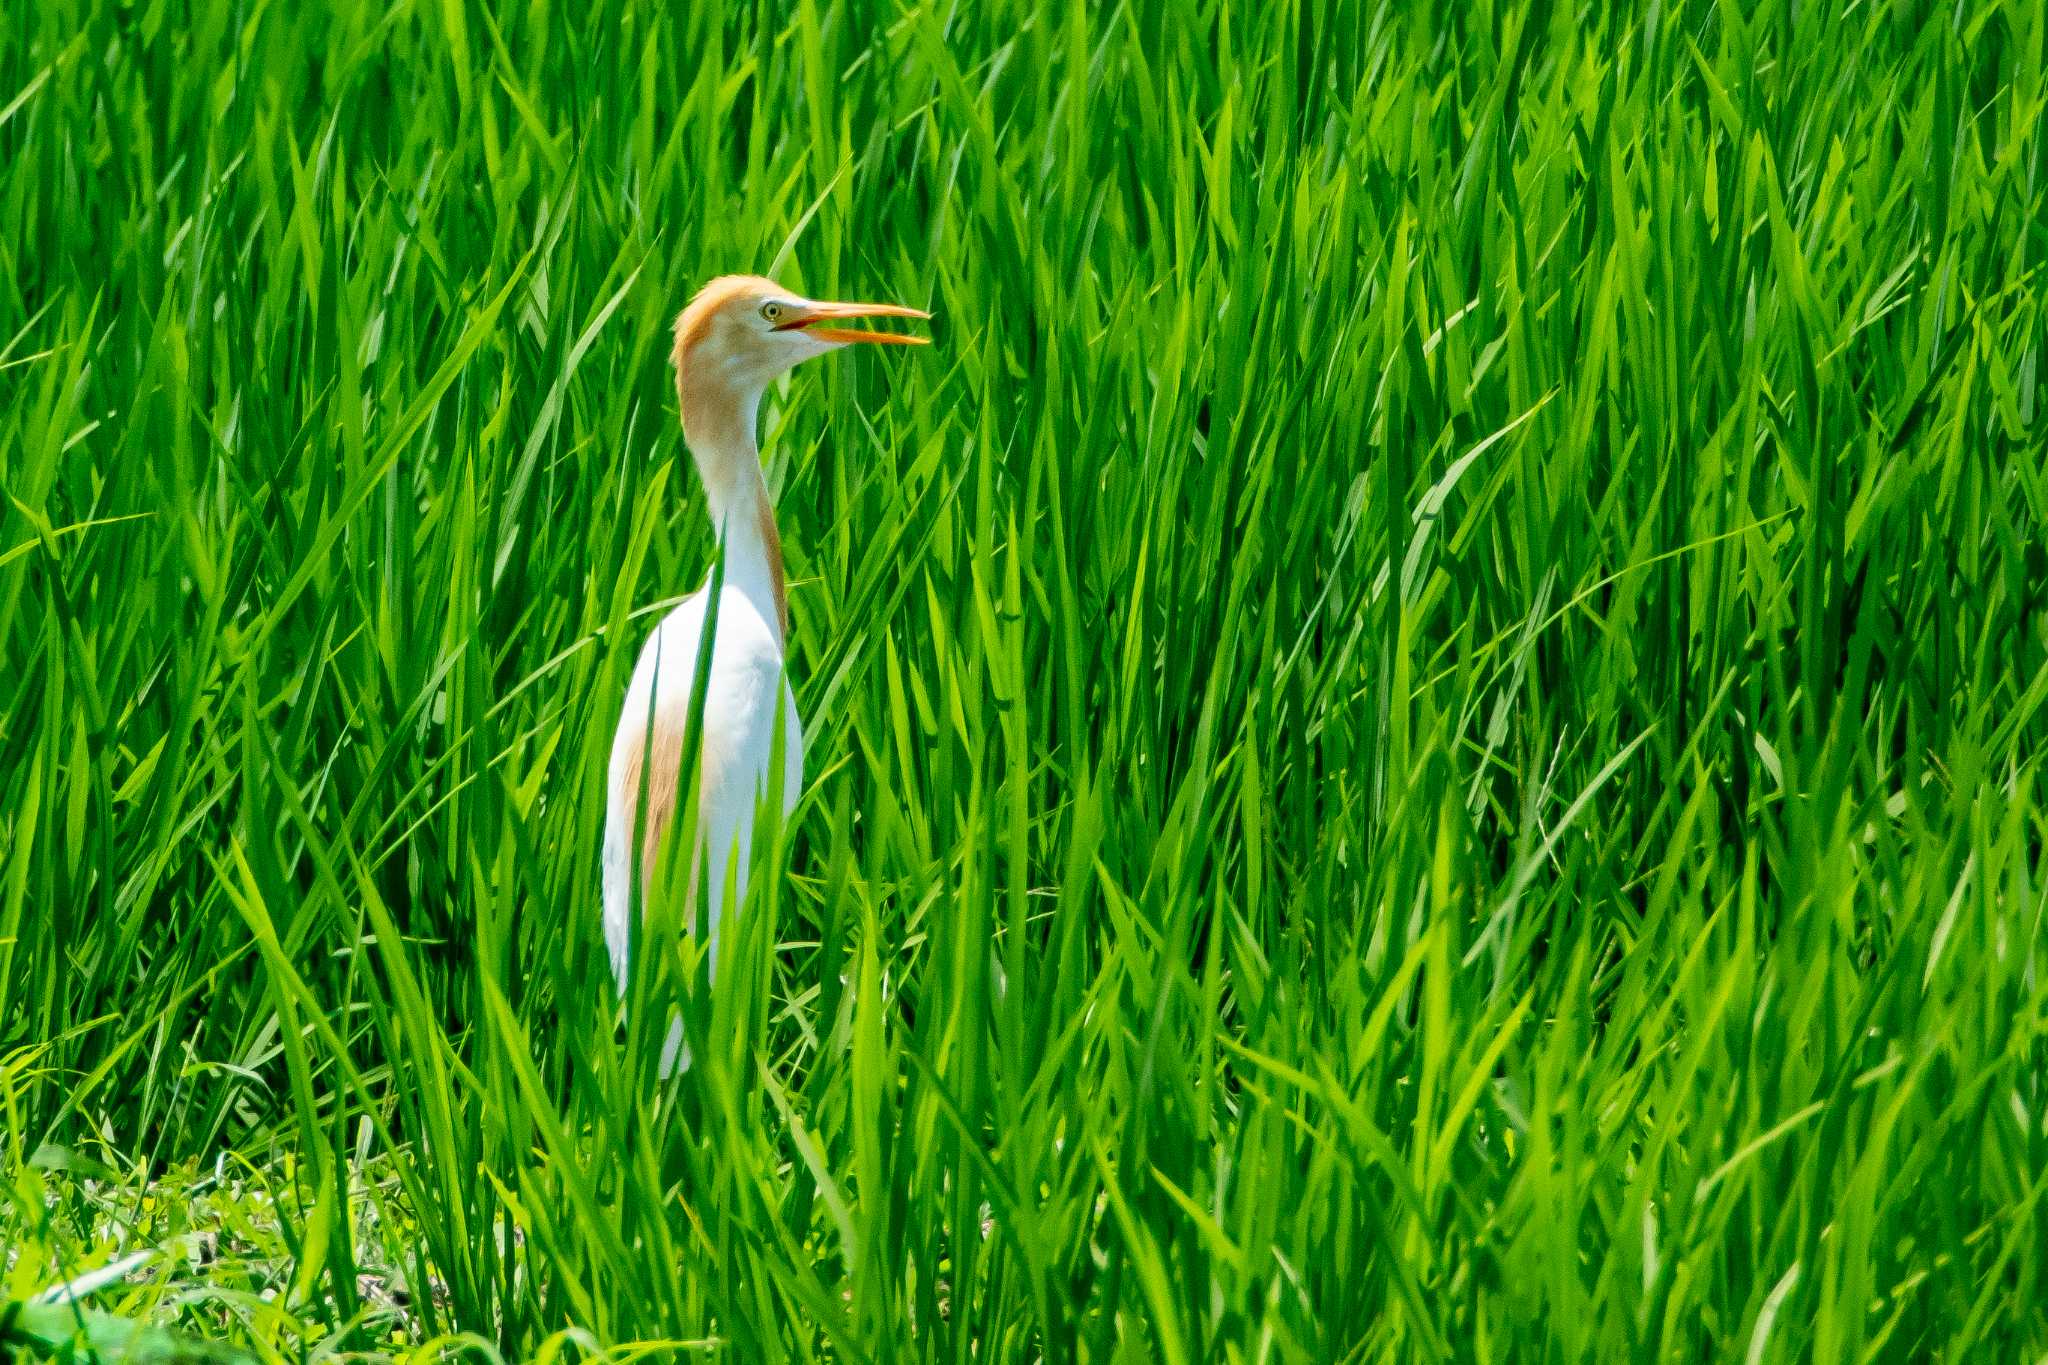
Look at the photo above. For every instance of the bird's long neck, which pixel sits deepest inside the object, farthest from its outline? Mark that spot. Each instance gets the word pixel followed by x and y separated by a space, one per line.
pixel 718 422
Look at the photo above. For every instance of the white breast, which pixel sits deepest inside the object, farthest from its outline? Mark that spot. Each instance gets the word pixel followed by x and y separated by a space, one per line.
pixel 743 690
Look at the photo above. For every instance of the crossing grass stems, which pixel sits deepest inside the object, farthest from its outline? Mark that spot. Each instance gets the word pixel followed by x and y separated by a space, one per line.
pixel 1426 721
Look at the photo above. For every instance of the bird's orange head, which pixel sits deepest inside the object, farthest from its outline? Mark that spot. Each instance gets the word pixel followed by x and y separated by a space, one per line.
pixel 742 331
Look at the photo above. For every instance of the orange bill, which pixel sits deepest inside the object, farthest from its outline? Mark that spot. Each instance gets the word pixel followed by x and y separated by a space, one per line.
pixel 809 317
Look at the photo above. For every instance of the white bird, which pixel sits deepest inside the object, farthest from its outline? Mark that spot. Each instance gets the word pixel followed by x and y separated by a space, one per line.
pixel 736 337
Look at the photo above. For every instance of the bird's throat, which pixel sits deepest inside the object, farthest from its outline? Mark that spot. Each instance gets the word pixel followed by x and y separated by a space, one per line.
pixel 719 426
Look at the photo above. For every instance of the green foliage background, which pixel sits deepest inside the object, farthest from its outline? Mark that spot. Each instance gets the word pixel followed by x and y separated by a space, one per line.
pixel 1425 717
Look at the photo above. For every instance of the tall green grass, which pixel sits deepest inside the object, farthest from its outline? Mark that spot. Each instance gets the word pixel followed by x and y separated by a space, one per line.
pixel 1425 718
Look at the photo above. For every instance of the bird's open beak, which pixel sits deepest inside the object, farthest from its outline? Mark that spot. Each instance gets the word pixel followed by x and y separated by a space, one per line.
pixel 809 318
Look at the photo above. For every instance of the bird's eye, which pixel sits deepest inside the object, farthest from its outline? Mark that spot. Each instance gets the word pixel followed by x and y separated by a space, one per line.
pixel 772 312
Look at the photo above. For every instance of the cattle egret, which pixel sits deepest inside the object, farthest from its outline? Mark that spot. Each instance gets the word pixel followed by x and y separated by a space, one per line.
pixel 737 336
